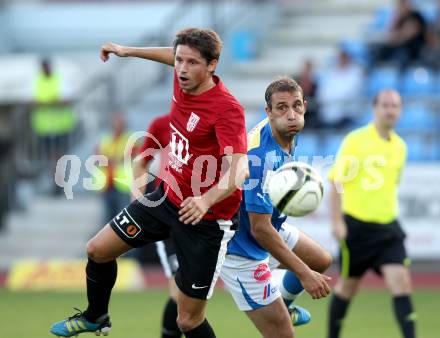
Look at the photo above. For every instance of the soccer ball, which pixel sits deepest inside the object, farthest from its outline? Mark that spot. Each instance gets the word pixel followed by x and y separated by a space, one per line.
pixel 295 189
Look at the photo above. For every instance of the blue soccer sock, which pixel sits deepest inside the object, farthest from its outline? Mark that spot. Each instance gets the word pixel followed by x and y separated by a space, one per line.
pixel 290 287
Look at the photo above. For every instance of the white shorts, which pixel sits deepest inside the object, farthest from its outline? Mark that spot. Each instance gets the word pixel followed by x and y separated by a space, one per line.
pixel 250 282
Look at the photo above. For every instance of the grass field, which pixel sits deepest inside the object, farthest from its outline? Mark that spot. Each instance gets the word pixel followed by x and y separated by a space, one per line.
pixel 137 315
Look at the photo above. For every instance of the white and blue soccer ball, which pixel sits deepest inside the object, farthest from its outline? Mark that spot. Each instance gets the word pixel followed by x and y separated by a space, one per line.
pixel 296 189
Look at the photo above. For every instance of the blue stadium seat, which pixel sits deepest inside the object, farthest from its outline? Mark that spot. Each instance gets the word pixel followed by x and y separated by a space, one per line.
pixel 418 80
pixel 420 148
pixel 415 149
pixel 364 118
pixel 429 11
pixel 244 45
pixel 307 145
pixel 436 150
pixel 331 144
pixel 417 116
pixel 382 19
pixel 254 117
pixel 357 49
pixel 382 78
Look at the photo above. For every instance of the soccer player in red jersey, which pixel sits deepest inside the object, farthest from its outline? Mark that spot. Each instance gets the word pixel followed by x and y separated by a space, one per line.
pixel 198 203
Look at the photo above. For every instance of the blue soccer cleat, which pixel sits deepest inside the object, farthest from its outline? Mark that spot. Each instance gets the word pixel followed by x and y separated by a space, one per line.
pixel 77 324
pixel 300 316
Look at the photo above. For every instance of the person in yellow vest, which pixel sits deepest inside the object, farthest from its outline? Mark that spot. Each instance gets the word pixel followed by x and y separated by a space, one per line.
pixel 116 188
pixel 364 210
pixel 52 119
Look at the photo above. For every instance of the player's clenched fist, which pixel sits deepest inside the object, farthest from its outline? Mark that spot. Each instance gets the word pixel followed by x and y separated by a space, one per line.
pixel 316 284
pixel 110 48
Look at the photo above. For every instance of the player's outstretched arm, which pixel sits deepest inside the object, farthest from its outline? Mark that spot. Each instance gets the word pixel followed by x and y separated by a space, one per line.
pixel 315 283
pixel 163 55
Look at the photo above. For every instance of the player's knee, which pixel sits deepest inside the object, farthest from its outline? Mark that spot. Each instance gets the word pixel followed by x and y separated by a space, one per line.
pixel 401 285
pixel 325 262
pixel 346 289
pixel 187 321
pixel 322 263
pixel 95 252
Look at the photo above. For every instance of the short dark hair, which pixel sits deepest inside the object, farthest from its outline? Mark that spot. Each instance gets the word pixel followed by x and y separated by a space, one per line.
pixel 206 41
pixel 281 84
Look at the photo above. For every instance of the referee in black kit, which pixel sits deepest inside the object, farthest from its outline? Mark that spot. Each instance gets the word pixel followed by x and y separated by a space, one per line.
pixel 364 211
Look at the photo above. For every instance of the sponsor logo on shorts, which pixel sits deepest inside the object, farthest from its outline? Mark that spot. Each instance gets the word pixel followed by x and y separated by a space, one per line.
pixel 268 290
pixel 126 224
pixel 262 273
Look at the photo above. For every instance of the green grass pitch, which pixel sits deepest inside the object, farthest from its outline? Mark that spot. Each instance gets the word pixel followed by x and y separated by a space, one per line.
pixel 137 314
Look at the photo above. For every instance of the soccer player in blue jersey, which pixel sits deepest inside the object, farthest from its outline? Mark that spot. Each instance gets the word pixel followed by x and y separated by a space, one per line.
pixel 264 240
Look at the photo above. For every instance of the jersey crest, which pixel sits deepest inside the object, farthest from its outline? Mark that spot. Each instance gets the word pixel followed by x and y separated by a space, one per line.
pixel 192 122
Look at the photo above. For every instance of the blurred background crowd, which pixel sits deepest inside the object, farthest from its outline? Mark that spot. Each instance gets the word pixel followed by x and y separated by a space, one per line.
pixel 56 97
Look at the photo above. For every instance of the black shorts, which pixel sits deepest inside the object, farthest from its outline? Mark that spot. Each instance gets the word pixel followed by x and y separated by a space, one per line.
pixel 370 245
pixel 200 249
pixel 166 250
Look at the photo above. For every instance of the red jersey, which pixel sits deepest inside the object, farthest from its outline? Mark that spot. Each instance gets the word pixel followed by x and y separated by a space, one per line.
pixel 158 139
pixel 204 128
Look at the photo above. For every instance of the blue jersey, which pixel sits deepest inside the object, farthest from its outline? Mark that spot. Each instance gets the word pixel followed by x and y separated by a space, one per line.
pixel 265 156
